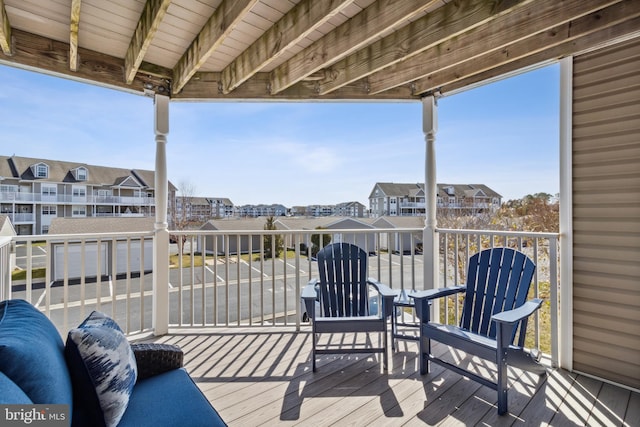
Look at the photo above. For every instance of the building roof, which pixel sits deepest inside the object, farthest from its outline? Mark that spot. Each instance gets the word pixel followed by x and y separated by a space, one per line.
pixel 392 189
pixel 6 228
pixel 62 171
pixel 195 201
pixel 304 223
pixel 399 222
pixel 235 224
pixel 93 225
pixel 467 190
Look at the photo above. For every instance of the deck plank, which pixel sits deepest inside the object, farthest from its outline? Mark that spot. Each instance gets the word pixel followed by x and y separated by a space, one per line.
pixel 610 406
pixel 262 376
pixel 543 406
pixel 632 416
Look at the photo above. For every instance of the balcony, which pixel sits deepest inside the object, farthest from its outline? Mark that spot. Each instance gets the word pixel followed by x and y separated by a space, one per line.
pixel 21 197
pixel 21 218
pixel 237 317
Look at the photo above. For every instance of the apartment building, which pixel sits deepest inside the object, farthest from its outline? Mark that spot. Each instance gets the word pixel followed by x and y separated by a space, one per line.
pixel 191 208
pixel 352 209
pixel 35 191
pixel 399 199
pixel 255 211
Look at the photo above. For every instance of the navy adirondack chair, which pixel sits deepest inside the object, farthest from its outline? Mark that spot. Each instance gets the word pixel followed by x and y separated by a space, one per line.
pixel 495 310
pixel 340 300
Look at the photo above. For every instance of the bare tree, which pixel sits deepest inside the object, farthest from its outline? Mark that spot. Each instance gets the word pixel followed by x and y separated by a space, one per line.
pixel 181 214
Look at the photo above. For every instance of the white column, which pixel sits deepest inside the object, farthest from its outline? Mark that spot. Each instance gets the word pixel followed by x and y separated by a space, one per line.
pixel 564 343
pixel 161 238
pixel 430 238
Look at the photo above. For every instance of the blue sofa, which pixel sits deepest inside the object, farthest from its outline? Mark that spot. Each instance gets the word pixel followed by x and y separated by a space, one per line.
pixel 34 370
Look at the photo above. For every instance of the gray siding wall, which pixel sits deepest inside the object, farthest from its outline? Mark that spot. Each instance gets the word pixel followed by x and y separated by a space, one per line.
pixel 606 209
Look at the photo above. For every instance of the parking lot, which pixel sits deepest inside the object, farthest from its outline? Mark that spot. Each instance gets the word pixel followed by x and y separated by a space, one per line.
pixel 232 292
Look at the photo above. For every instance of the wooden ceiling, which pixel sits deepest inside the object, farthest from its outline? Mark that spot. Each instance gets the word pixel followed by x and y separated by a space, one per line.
pixel 302 49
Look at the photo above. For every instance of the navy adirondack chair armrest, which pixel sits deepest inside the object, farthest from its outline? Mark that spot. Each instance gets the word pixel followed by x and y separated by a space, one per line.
pixel 423 299
pixel 387 295
pixel 507 322
pixel 512 317
pixel 310 297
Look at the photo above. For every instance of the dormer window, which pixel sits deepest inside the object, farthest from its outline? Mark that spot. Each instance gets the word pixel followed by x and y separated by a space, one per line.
pixel 81 174
pixel 41 170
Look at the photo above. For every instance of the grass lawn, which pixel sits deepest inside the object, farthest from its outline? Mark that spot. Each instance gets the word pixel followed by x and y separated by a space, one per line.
pixel 37 273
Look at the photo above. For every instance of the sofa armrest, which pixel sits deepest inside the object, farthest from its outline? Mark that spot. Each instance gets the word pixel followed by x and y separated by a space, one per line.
pixel 155 358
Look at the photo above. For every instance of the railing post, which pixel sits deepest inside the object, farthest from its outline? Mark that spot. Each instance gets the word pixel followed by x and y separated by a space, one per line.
pixel 161 238
pixel 6 252
pixel 553 284
pixel 430 238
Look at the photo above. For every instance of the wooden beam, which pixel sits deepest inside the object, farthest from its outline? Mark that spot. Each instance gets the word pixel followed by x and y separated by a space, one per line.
pixel 293 27
pixel 347 38
pixel 558 52
pixel 73 34
pixel 219 25
pixel 558 41
pixel 208 85
pixel 521 23
pixel 51 57
pixel 150 19
pixel 443 23
pixel 5 30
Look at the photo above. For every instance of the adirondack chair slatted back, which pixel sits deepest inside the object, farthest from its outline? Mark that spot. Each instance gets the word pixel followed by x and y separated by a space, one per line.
pixel 498 279
pixel 343 281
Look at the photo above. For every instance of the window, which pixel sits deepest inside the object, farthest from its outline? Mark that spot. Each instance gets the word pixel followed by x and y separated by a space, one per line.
pixel 42 171
pixel 79 191
pixel 8 188
pixel 45 229
pixel 49 190
pixel 81 174
pixel 78 211
pixel 49 210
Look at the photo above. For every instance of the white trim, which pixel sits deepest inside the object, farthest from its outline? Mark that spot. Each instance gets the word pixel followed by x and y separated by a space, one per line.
pixel 566 214
pixel 606 381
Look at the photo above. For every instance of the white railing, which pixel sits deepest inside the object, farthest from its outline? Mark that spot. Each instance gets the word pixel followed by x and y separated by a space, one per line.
pixel 227 279
pixel 456 246
pixel 5 267
pixel 68 276
pixel 71 199
pixel 120 215
pixel 22 217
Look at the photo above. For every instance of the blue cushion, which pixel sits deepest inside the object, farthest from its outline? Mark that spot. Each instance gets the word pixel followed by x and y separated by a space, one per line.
pixel 10 393
pixel 169 399
pixel 102 367
pixel 32 354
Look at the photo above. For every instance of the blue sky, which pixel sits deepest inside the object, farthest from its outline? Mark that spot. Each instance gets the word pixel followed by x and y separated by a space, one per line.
pixel 504 135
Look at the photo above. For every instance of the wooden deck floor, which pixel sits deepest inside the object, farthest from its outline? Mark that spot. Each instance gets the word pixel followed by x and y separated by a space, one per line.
pixel 263 377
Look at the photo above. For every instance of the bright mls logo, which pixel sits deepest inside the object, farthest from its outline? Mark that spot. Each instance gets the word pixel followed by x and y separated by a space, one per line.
pixel 35 415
